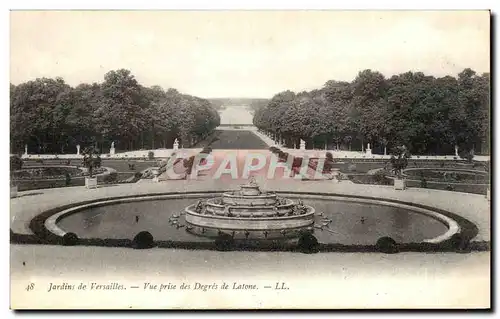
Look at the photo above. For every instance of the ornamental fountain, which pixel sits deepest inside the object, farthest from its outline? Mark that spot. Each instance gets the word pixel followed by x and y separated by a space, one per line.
pixel 250 213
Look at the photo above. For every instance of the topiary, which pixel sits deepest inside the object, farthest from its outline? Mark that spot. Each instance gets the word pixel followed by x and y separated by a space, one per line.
pixel 308 243
pixel 224 242
pixel 70 239
pixel 143 240
pixel 387 245
pixel 459 242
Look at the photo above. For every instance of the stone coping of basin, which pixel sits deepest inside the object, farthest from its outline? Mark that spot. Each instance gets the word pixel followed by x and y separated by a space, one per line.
pixel 474 207
pixel 453 227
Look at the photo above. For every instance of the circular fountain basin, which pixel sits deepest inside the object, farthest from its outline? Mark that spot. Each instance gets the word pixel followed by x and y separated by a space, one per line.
pixel 117 219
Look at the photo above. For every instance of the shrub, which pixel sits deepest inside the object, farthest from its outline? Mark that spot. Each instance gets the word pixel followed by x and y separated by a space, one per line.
pixel 70 239
pixel 308 243
pixel 467 156
pixel 143 240
pixel 459 242
pixel 274 149
pixel 387 245
pixel 131 166
pixel 151 155
pixel 224 242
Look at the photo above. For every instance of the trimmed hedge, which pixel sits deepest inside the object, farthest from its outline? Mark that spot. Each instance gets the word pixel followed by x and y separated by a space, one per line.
pixel 308 243
pixel 70 239
pixel 387 245
pixel 143 240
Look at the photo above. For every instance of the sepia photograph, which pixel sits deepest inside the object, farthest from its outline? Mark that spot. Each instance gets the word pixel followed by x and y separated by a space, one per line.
pixel 210 160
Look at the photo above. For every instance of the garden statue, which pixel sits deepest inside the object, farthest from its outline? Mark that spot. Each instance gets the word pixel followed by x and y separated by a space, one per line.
pixel 302 144
pixel 112 149
pixel 78 149
pixel 26 149
pixel 176 144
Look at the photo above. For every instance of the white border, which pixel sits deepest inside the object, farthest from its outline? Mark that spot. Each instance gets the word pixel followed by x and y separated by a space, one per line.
pixel 190 4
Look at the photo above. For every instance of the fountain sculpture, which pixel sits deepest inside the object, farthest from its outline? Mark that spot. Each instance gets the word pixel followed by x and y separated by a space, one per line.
pixel 250 212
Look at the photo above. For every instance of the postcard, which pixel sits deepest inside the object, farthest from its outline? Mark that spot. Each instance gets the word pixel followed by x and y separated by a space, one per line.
pixel 250 160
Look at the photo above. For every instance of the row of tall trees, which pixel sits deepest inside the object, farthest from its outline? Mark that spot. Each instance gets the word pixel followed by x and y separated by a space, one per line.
pixel 428 115
pixel 53 117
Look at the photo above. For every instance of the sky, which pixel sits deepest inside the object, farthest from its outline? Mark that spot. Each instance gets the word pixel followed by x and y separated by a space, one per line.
pixel 244 53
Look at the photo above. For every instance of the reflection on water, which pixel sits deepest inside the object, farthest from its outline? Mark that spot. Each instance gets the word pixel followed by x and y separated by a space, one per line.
pixel 91 218
pixel 351 223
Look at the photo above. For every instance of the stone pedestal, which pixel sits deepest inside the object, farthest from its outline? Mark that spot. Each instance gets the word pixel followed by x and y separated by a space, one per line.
pixel 91 182
pixel 399 184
